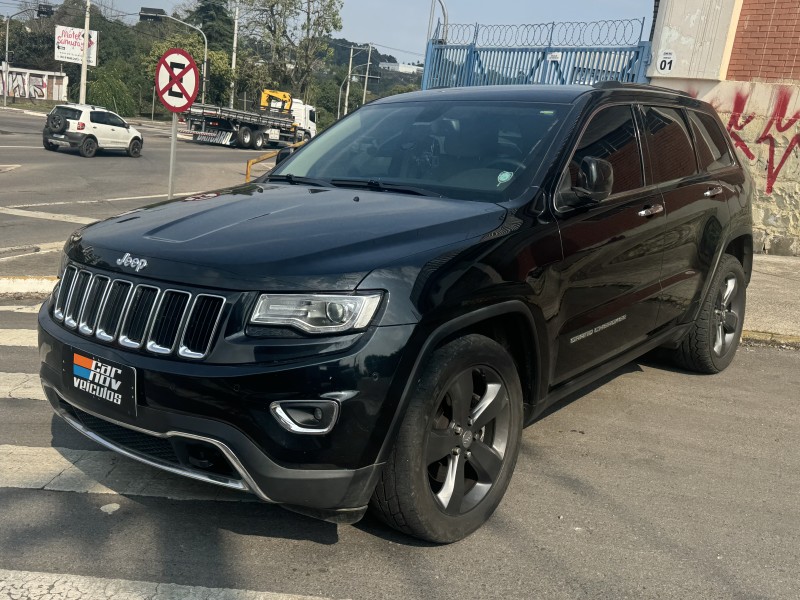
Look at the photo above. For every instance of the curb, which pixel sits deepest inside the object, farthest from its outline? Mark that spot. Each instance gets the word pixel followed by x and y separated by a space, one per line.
pixel 771 339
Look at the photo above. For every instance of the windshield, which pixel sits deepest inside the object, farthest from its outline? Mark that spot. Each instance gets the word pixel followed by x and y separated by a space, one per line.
pixel 477 150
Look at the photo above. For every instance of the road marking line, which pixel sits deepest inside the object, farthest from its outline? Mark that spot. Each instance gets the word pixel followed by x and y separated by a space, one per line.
pixel 100 472
pixel 7 168
pixel 21 386
pixel 29 250
pixel 19 308
pixel 19 337
pixel 60 586
pixel 61 203
pixel 49 216
pixel 18 147
pixel 27 285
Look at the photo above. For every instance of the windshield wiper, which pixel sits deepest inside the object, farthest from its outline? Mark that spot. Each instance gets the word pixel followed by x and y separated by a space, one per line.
pixel 299 180
pixel 384 186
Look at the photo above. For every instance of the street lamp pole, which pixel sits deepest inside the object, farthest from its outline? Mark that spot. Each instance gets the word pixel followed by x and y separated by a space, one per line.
pixel 5 64
pixel 233 56
pixel 85 60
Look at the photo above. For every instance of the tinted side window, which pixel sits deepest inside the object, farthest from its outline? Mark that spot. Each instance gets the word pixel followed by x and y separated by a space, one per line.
pixel 611 135
pixel 712 150
pixel 115 120
pixel 98 117
pixel 671 151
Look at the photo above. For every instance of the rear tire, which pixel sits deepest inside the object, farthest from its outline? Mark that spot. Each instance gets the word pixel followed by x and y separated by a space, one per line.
pixel 712 340
pixel 244 137
pixel 48 146
pixel 88 147
pixel 258 140
pixel 458 443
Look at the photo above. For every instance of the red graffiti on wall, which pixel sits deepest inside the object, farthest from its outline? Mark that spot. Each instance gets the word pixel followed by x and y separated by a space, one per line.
pixel 777 122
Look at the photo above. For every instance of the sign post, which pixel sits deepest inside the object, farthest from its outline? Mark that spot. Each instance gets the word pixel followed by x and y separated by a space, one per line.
pixel 177 82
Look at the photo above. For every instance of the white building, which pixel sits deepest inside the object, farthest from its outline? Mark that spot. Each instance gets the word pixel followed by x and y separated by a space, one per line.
pixel 401 68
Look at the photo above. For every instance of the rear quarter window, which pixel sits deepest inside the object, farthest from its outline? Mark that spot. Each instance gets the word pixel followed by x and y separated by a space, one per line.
pixel 712 149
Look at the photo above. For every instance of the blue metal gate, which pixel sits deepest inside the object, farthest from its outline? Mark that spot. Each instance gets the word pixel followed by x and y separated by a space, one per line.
pixel 554 53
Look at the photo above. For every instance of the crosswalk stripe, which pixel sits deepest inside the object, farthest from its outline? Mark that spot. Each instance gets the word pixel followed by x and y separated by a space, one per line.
pixel 21 385
pixel 20 308
pixel 27 285
pixel 71 202
pixel 100 472
pixel 19 337
pixel 30 250
pixel 33 585
pixel 33 214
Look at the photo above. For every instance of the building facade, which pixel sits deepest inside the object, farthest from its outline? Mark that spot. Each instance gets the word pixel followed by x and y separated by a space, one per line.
pixel 743 56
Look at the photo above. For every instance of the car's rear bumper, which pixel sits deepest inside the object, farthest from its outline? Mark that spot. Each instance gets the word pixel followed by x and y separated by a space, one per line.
pixel 68 138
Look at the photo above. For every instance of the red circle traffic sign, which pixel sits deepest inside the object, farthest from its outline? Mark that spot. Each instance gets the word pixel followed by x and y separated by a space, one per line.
pixel 177 80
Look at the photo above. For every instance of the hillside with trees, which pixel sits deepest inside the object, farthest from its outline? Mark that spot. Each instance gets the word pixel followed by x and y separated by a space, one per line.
pixel 282 44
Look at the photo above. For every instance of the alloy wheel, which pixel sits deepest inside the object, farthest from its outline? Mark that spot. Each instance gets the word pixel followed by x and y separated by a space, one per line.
pixel 466 444
pixel 727 313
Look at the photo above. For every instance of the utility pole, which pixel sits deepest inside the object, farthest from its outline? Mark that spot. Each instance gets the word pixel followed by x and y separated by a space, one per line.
pixel 85 53
pixel 349 71
pixel 233 56
pixel 366 77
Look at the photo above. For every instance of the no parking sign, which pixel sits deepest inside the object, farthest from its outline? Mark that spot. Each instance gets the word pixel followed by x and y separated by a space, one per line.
pixel 177 80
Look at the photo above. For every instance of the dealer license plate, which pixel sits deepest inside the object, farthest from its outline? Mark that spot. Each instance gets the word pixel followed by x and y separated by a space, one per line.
pixel 107 386
pixel 274 134
pixel 58 135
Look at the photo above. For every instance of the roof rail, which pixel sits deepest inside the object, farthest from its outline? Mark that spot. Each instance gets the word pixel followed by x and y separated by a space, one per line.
pixel 620 85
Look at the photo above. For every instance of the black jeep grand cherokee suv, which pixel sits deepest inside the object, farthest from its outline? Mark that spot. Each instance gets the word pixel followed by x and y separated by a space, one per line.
pixel 374 321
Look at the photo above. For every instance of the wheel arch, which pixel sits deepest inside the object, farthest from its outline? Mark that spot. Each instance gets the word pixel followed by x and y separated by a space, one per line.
pixel 512 325
pixel 741 247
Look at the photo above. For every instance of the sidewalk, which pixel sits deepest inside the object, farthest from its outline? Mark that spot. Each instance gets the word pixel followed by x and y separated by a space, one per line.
pixel 773 300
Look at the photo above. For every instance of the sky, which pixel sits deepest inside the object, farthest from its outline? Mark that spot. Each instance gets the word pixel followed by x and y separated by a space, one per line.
pixel 403 24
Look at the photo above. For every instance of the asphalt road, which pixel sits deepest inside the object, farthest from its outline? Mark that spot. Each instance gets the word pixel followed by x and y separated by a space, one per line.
pixel 63 184
pixel 654 483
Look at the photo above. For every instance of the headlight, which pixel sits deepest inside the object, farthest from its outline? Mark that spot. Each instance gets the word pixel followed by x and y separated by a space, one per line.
pixel 316 313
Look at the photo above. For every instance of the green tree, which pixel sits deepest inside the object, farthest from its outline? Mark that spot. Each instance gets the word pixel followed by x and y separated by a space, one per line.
pixel 295 33
pixel 107 88
pixel 213 18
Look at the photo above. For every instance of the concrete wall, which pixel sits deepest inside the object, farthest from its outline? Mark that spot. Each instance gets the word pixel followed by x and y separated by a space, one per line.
pixel 743 57
pixel 36 85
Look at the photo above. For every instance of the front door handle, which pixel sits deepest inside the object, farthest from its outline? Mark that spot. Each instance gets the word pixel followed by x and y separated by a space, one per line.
pixel 651 210
pixel 715 191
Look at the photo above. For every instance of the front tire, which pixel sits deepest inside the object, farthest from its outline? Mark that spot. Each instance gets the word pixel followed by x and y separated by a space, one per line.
pixel 88 147
pixel 711 343
pixel 135 148
pixel 458 444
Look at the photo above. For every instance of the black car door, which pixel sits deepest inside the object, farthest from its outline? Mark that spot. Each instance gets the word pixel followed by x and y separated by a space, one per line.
pixel 695 201
pixel 612 251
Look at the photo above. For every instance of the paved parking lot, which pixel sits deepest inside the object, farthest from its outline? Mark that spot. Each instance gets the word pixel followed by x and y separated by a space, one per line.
pixel 653 483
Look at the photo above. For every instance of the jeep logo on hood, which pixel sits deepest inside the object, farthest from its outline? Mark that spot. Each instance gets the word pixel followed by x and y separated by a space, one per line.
pixel 134 263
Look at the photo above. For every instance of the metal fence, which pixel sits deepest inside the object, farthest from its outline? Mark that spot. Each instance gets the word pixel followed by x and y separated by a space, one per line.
pixel 551 53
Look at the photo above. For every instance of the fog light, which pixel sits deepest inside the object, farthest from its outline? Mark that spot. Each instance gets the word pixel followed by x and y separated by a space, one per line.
pixel 309 417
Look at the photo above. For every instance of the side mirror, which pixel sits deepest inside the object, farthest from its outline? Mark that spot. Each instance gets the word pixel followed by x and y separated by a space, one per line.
pixel 284 154
pixel 595 178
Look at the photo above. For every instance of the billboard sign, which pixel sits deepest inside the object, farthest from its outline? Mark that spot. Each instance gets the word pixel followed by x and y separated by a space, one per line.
pixel 69 45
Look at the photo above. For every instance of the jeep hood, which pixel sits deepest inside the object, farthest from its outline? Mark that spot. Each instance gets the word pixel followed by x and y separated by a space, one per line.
pixel 280 237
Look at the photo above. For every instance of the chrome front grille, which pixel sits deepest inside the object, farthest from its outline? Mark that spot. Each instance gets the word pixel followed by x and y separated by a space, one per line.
pixel 161 321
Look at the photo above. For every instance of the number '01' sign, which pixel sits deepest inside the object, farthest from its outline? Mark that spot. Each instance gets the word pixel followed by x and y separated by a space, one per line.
pixel 666 60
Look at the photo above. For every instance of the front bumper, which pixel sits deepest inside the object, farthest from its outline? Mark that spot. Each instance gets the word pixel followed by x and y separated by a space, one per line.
pixel 212 422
